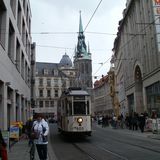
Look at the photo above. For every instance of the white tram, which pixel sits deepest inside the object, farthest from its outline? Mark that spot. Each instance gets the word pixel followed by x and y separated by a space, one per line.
pixel 74 112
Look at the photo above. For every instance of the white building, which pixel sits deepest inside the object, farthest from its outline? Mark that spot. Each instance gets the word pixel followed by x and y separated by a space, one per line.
pixel 15 61
pixel 51 80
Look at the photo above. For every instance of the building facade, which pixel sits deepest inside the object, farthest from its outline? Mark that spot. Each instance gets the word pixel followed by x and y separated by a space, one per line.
pixel 136 57
pixel 51 80
pixel 83 62
pixel 15 61
pixel 102 101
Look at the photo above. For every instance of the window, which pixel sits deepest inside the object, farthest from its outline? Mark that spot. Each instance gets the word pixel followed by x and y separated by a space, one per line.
pixel 22 65
pixel 45 71
pixel 52 104
pixel 2 23
pixel 23 33
pixel 11 41
pixel 56 82
pixel 17 61
pixel 19 18
pixel 48 82
pixel 70 108
pixel 55 72
pixel 79 108
pixel 48 93
pixel 56 93
pixel 41 82
pixel 46 103
pixel 41 93
pixel 41 104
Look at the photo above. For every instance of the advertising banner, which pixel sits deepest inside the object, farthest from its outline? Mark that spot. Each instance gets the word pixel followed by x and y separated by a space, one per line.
pixel 14 132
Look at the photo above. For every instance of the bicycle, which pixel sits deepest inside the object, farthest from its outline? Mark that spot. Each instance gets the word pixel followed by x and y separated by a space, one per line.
pixel 32 151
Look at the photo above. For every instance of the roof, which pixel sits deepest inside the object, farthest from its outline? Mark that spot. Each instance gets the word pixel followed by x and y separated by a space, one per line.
pixel 65 61
pixel 78 93
pixel 50 67
pixel 75 92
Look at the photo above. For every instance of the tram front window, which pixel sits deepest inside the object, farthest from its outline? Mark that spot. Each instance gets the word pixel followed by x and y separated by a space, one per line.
pixel 79 108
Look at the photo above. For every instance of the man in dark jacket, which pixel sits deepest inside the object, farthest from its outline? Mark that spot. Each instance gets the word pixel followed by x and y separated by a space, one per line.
pixel 142 122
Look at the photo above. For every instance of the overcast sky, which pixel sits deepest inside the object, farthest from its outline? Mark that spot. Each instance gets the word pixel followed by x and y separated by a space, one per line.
pixel 60 20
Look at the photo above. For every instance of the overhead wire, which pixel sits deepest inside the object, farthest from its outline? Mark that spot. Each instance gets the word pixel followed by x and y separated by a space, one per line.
pixel 140 33
pixel 93 14
pixel 101 66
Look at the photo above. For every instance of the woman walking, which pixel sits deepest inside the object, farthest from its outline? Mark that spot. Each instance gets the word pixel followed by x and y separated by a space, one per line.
pixel 41 129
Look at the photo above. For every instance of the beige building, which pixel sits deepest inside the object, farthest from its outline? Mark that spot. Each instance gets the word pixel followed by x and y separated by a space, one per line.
pixel 102 102
pixel 51 80
pixel 136 57
pixel 15 61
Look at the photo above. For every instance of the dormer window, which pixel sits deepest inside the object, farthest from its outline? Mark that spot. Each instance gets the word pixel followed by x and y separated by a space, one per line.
pixel 55 72
pixel 45 71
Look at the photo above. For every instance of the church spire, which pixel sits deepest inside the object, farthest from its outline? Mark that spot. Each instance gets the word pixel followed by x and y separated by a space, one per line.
pixel 80 24
pixel 81 45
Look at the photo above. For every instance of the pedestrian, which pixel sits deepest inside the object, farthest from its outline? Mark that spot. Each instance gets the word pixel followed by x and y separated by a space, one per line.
pixel 41 130
pixel 3 148
pixel 28 126
pixel 142 121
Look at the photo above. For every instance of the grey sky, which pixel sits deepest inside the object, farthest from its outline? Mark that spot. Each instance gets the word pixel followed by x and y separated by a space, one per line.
pixel 63 16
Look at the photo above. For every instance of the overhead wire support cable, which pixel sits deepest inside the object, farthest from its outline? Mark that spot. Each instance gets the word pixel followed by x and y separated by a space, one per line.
pixel 93 15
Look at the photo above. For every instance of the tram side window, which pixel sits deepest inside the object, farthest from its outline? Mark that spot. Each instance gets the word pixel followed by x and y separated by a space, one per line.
pixel 66 107
pixel 70 108
pixel 79 108
pixel 87 107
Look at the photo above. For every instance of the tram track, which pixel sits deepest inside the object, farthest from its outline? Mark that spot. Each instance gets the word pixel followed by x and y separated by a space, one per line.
pixel 132 144
pixel 118 156
pixel 84 152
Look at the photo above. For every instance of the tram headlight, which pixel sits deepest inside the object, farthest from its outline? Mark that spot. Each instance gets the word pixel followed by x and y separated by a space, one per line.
pixel 79 120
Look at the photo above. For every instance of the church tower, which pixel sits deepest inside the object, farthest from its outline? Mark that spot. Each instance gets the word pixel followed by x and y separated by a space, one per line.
pixel 82 61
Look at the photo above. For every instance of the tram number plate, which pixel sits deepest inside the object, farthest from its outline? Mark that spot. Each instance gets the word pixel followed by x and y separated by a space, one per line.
pixel 79 128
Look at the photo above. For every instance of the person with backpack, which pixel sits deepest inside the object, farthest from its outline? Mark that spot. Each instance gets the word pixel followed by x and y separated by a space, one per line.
pixel 41 129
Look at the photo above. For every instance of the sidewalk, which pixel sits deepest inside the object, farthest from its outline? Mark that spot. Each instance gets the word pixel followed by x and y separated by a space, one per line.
pixel 20 151
pixel 147 134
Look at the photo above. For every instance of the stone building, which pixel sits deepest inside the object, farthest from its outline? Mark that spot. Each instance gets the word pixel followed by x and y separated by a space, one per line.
pixel 102 102
pixel 51 80
pixel 15 61
pixel 136 57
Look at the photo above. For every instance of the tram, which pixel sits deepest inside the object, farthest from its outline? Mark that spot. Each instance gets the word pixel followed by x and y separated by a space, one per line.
pixel 74 112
